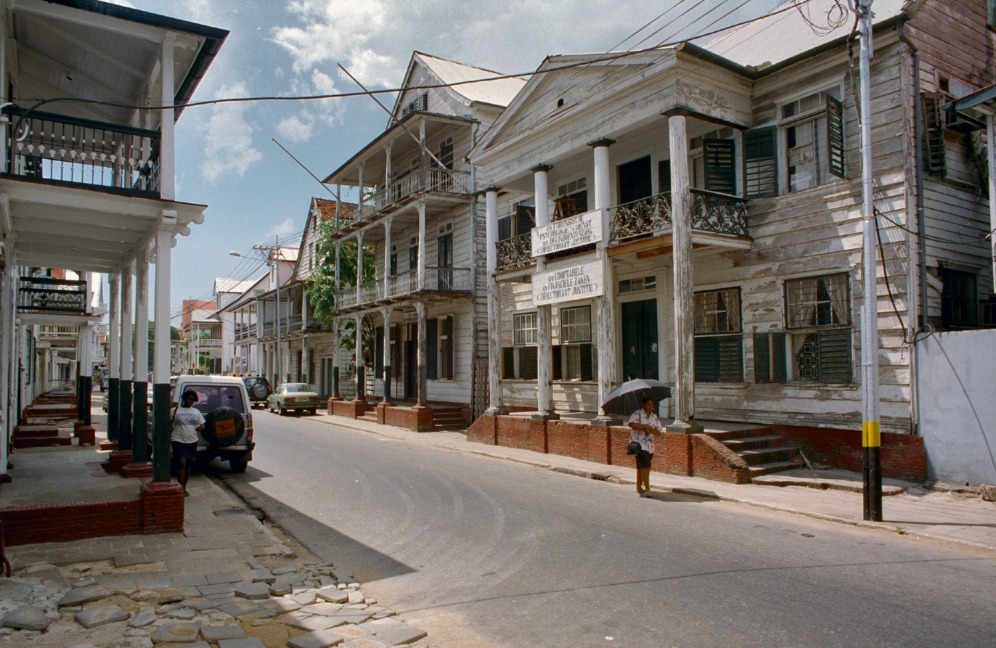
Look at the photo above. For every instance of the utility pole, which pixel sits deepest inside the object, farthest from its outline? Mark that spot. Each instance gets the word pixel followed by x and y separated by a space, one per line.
pixel 276 273
pixel 870 426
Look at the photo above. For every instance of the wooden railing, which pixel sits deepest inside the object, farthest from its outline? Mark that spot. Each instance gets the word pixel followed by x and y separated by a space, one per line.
pixel 54 148
pixel 437 180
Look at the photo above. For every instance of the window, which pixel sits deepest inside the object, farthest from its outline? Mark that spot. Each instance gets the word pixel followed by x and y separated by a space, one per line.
pixel 419 102
pixel 394 261
pixel 991 6
pixel 574 357
pixel 439 348
pixel 812 130
pixel 959 299
pixel 444 259
pixel 760 162
pixel 521 220
pixel 520 360
pixel 818 319
pixel 718 336
pixel 712 160
pixel 413 254
pixel 572 198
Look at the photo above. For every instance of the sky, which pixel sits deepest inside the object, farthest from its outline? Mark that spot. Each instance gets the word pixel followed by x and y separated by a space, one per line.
pixel 256 193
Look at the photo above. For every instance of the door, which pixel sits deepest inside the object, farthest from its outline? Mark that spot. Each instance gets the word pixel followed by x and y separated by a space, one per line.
pixel 411 368
pixel 635 180
pixel 444 253
pixel 639 339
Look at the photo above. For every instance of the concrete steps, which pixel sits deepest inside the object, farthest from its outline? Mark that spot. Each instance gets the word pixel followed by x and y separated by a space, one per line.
pixel 765 453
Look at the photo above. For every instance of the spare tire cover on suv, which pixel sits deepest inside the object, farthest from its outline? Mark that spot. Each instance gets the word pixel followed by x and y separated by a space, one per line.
pixel 223 426
pixel 259 390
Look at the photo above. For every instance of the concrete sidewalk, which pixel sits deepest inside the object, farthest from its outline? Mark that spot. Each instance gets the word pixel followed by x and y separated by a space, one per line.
pixel 835 495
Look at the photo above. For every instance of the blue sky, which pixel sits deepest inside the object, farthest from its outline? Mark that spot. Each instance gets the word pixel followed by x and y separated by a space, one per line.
pixel 255 192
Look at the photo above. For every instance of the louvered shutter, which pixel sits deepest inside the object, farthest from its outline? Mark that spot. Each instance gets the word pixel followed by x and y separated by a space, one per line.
pixel 430 349
pixel 761 161
pixel 934 154
pixel 379 351
pixel 528 355
pixel 587 362
pixel 508 363
pixel 835 355
pixel 769 358
pixel 720 165
pixel 835 138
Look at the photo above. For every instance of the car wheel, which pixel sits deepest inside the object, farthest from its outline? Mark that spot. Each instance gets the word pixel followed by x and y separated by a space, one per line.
pixel 238 466
pixel 283 412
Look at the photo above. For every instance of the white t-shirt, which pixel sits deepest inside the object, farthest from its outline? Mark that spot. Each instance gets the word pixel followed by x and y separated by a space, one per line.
pixel 185 424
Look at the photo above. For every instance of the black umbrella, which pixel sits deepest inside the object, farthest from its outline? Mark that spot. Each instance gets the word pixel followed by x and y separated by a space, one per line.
pixel 629 396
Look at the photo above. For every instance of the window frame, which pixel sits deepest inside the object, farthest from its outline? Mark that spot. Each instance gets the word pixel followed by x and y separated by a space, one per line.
pixel 829 163
pixel 524 335
pixel 719 348
pixel 829 328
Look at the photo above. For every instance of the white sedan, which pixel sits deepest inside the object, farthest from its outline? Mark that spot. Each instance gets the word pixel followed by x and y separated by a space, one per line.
pixel 294 396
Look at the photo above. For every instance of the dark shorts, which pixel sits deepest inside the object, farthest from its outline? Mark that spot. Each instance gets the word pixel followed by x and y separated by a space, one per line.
pixel 643 459
pixel 184 450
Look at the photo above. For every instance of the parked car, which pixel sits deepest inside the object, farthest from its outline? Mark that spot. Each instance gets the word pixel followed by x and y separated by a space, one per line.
pixel 228 431
pixel 294 396
pixel 259 389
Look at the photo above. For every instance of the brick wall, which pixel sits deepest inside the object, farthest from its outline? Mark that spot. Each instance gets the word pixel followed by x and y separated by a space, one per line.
pixel 903 455
pixel 65 522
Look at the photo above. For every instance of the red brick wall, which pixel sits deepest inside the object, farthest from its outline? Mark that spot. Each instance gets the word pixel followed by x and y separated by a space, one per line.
pixel 514 431
pixel 418 419
pixel 715 461
pixel 483 430
pixel 162 507
pixel 903 455
pixel 65 522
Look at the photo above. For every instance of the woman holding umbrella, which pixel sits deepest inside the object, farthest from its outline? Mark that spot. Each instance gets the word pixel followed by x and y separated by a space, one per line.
pixel 644 424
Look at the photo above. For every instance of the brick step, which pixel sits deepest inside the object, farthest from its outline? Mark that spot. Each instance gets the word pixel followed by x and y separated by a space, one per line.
pixel 774 467
pixel 46 433
pixel 42 442
pixel 770 455
pixel 754 442
pixel 731 435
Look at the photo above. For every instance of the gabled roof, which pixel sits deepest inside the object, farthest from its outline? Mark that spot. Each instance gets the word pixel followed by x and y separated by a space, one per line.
pixel 228 285
pixel 792 29
pixel 497 92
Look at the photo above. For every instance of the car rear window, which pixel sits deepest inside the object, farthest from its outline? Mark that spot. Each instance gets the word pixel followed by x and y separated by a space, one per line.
pixel 211 397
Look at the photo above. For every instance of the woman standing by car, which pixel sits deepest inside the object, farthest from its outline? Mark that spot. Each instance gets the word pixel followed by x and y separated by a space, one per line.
pixel 187 422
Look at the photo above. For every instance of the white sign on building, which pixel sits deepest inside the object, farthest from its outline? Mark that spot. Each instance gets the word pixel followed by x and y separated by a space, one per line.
pixel 568 284
pixel 568 233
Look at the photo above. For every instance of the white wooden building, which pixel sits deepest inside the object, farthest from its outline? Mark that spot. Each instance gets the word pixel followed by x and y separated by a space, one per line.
pixel 701 210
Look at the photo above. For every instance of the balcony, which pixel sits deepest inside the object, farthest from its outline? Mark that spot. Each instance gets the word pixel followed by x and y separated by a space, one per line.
pixel 437 180
pixel 245 332
pixel 514 253
pixel 47 295
pixel 712 212
pixel 80 152
pixel 405 284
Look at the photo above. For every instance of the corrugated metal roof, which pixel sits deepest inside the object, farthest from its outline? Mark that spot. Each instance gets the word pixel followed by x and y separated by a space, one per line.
pixel 499 92
pixel 227 285
pixel 781 34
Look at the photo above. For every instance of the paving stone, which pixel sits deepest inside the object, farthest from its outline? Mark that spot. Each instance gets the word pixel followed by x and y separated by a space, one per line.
pixel 350 631
pixel 202 604
pixel 248 642
pixel 355 597
pixel 15 589
pixel 283 569
pixel 394 632
pixel 184 614
pixel 351 616
pixel 306 597
pixel 262 575
pixel 309 622
pixel 316 639
pixel 253 591
pixel 133 642
pixel 281 604
pixel 219 632
pixel 323 609
pixel 176 633
pixel 365 642
pixel 83 595
pixel 244 608
pixel 27 617
pixel 280 587
pixel 217 588
pixel 94 617
pixel 223 577
pixel 146 616
pixel 333 595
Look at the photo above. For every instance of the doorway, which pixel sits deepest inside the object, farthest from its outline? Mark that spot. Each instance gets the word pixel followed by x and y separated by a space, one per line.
pixel 635 180
pixel 411 367
pixel 639 339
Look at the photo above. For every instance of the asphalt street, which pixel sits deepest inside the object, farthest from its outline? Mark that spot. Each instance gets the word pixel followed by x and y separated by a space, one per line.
pixel 483 552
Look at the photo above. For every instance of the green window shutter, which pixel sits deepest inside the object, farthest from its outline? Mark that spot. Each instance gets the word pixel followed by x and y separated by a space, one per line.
pixel 504 228
pixel 558 360
pixel 769 358
pixel 587 362
pixel 731 359
pixel 720 165
pixel 524 219
pixel 934 153
pixel 664 176
pixel 835 138
pixel 446 370
pixel 706 359
pixel 835 355
pixel 761 161
pixel 528 355
pixel 379 351
pixel 430 349
pixel 507 363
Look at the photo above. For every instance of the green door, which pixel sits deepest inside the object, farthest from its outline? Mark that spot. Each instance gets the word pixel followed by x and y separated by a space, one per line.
pixel 639 339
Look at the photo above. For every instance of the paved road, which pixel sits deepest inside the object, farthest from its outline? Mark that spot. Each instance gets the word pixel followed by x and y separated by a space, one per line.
pixel 482 552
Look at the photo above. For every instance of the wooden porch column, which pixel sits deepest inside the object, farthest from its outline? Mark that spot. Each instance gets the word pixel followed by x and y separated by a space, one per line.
pixel 681 210
pixel 421 245
pixel 386 315
pixel 604 305
pixel 360 186
pixel 140 410
pixel 421 357
pixel 305 360
pixel 114 359
pixel 335 359
pixel 127 366
pixel 544 317
pixel 495 406
pixel 161 357
pixel 358 349
pixel 359 267
pixel 387 255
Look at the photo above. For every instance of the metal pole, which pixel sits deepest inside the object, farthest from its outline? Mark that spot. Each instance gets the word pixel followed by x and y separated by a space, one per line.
pixel 870 430
pixel 276 273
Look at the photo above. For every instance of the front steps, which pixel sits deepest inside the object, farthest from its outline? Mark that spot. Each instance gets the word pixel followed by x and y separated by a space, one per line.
pixel 765 453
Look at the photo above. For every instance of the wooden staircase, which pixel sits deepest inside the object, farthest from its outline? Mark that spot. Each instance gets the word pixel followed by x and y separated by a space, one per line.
pixel 764 452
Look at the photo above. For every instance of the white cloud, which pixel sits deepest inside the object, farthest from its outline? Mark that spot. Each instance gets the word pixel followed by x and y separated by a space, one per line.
pixel 295 128
pixel 287 226
pixel 228 146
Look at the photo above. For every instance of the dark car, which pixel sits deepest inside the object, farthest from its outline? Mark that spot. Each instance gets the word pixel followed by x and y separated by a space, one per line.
pixel 259 389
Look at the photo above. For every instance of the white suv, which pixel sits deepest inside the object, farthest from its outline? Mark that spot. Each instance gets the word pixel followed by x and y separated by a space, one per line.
pixel 228 432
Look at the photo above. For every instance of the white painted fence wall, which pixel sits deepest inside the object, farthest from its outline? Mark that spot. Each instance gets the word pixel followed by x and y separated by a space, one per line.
pixel 957 376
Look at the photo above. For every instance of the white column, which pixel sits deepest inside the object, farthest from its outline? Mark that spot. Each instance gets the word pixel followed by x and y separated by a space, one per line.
pixel 421 245
pixel 386 315
pixel 681 214
pixel 544 317
pixel 114 358
pixel 161 349
pixel 167 140
pixel 387 255
pixel 604 305
pixel 359 268
pixel 358 349
pixel 421 356
pixel 360 183
pixel 7 365
pixel 141 366
pixel 494 304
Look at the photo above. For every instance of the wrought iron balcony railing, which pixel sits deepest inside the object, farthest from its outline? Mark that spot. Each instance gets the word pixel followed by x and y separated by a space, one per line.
pixel 514 253
pixel 48 295
pixel 719 213
pixel 711 212
pixel 60 149
pixel 639 217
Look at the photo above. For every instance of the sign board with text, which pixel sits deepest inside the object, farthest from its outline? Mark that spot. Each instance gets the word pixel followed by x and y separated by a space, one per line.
pixel 568 233
pixel 572 283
